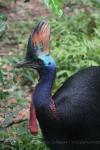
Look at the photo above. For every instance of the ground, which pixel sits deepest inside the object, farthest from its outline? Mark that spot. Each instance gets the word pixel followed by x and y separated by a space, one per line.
pixel 17 12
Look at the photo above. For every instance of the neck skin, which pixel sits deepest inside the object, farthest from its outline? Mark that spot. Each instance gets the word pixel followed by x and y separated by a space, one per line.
pixel 42 95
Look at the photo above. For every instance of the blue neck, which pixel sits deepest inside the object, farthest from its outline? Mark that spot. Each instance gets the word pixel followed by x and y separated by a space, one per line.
pixel 42 95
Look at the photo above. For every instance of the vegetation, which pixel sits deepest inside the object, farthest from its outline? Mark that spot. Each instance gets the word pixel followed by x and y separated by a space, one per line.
pixel 75 45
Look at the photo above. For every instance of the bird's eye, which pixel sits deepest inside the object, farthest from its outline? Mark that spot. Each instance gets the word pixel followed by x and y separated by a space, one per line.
pixel 49 63
pixel 39 62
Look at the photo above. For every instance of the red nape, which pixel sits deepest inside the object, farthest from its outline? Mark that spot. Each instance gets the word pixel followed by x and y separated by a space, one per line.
pixel 53 109
pixel 32 121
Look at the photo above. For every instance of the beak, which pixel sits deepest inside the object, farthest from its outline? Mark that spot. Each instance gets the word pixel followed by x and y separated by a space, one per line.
pixel 25 63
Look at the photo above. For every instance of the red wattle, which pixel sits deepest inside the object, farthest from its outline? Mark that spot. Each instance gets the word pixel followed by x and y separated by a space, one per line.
pixel 32 121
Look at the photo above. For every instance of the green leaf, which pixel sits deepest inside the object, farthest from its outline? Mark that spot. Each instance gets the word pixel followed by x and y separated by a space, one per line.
pixel 55 5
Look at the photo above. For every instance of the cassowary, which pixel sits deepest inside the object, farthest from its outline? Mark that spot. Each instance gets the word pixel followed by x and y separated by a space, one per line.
pixel 70 119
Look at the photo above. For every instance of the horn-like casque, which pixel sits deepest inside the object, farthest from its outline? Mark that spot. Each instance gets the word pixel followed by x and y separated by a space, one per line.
pixel 41 36
pixel 38 42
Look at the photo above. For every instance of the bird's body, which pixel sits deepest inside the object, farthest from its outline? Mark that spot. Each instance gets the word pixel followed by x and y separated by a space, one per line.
pixel 70 119
pixel 76 122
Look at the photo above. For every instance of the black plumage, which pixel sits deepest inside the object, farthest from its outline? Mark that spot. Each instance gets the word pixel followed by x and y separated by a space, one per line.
pixel 78 104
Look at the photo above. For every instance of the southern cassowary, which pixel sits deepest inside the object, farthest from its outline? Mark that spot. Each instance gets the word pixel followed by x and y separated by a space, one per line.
pixel 70 119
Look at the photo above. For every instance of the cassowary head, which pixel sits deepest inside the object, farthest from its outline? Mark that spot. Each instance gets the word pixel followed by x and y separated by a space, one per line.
pixel 38 48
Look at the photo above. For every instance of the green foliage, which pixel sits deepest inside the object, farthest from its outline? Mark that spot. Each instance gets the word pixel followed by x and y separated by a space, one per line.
pixel 73 47
pixel 55 5
pixel 19 138
pixel 3 25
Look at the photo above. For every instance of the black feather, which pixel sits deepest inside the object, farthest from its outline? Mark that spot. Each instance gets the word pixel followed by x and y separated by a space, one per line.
pixel 78 107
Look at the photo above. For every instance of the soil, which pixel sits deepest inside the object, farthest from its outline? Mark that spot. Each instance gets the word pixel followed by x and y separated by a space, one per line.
pixel 23 11
pixel 17 10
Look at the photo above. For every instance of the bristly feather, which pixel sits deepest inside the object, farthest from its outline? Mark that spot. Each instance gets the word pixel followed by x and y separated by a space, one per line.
pixel 41 37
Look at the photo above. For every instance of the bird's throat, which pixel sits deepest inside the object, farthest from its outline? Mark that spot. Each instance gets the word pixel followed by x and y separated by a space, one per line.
pixel 41 98
pixel 43 92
